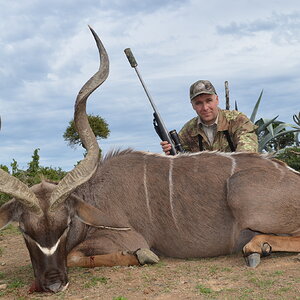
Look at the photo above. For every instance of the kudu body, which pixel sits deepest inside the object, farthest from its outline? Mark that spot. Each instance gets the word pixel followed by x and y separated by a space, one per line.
pixel 191 205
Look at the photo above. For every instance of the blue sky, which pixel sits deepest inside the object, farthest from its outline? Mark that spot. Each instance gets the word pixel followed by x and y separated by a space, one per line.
pixel 47 53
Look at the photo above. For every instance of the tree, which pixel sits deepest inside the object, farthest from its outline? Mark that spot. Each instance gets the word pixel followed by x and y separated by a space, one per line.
pixel 98 125
pixel 34 173
pixel 3 197
pixel 34 165
pixel 4 168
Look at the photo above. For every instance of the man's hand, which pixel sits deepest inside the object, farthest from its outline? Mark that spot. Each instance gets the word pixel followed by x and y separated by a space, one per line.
pixel 166 147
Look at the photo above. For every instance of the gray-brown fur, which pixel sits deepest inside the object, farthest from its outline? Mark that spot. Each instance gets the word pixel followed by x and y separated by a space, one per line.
pixel 190 205
pixel 211 205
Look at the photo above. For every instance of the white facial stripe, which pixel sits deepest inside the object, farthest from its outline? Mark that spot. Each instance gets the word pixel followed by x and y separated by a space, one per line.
pixel 48 251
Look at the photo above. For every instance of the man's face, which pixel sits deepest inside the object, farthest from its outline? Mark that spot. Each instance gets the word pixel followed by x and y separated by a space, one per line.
pixel 206 106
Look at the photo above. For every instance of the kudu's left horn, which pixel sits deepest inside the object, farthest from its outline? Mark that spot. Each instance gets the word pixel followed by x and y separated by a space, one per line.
pixel 86 168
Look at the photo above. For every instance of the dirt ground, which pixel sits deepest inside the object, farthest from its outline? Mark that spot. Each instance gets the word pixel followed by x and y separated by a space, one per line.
pixel 226 277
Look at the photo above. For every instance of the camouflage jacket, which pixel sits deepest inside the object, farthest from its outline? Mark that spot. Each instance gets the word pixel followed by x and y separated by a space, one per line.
pixel 239 127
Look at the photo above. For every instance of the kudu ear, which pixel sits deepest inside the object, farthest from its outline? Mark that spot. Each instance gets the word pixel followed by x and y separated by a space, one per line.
pixel 9 212
pixel 93 216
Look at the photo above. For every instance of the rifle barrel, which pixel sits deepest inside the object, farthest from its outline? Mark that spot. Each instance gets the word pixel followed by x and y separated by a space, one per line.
pixel 134 65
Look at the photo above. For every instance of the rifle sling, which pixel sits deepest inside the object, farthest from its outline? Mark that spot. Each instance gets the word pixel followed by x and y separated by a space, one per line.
pixel 200 138
pixel 228 138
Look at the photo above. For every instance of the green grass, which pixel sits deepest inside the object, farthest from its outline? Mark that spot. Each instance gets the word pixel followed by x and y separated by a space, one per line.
pixel 262 283
pixel 213 269
pixel 283 290
pixel 204 290
pixel 226 269
pixel 160 264
pixel 16 283
pixel 245 293
pixel 95 281
pixel 3 293
pixel 10 229
pixel 2 275
pixel 277 273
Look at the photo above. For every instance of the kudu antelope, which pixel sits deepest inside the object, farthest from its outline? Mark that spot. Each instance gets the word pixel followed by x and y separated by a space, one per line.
pixel 114 210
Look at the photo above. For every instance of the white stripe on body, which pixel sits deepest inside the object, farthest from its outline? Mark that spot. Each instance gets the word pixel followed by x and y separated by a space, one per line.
pixel 293 170
pixel 171 192
pixel 146 190
pixel 233 161
pixel 278 167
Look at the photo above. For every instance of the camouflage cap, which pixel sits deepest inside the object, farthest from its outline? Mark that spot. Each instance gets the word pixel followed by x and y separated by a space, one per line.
pixel 201 87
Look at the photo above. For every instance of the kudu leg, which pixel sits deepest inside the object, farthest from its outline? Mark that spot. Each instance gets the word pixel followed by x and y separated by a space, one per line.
pixel 112 249
pixel 264 244
pixel 122 258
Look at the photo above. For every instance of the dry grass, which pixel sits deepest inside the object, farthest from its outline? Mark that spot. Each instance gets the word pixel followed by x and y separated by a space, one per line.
pixel 227 277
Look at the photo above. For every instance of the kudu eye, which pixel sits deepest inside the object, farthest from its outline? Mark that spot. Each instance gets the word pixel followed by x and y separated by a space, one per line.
pixel 25 234
pixel 22 229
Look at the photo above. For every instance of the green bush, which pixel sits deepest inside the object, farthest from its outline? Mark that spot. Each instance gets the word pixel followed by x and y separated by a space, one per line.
pixel 33 175
pixel 290 157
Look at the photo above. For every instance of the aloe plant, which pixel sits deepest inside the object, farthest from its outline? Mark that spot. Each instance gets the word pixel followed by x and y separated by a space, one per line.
pixel 268 130
pixel 255 109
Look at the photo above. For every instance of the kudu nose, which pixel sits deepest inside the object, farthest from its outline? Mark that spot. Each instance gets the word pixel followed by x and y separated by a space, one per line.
pixel 57 287
pixel 54 281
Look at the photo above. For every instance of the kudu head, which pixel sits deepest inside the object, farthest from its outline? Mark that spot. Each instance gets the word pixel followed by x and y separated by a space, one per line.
pixel 45 211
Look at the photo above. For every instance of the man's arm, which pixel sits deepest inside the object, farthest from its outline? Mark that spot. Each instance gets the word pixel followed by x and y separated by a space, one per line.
pixel 244 135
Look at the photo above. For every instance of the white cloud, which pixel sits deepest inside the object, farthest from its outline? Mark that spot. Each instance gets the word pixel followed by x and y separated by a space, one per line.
pixel 48 53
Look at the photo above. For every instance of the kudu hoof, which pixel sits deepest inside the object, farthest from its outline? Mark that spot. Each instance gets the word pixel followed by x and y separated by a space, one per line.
pixel 146 256
pixel 266 249
pixel 252 260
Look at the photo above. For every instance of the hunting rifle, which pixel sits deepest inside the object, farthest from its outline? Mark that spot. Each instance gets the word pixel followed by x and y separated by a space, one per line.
pixel 158 123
